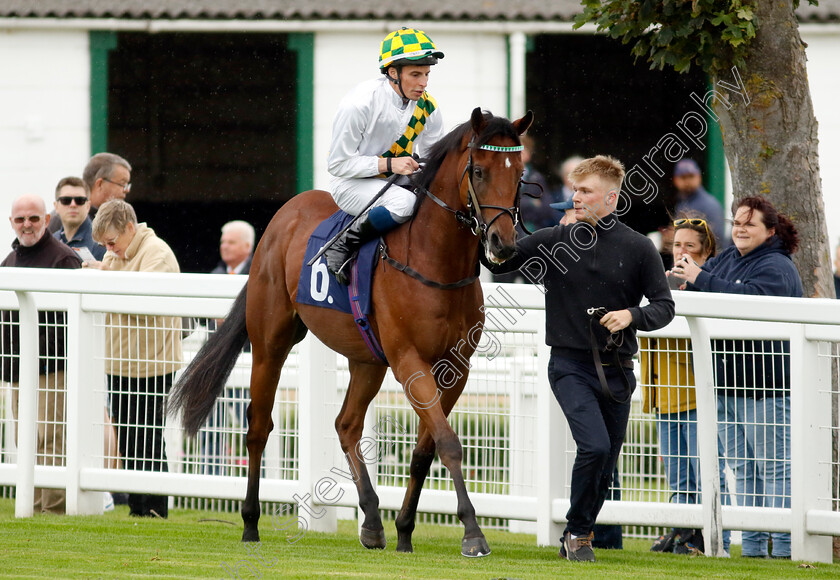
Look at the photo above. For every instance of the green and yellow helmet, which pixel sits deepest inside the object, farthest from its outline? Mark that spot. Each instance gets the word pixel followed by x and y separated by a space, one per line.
pixel 410 45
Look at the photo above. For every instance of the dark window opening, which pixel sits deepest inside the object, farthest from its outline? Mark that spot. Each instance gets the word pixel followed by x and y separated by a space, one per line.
pixel 590 98
pixel 208 123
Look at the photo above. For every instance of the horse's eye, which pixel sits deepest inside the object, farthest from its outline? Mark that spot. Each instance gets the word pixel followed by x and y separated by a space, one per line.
pixel 478 172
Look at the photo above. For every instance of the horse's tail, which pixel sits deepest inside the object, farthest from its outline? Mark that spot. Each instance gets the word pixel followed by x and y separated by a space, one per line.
pixel 204 379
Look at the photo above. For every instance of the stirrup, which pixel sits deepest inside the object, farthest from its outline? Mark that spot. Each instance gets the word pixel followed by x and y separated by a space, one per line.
pixel 346 266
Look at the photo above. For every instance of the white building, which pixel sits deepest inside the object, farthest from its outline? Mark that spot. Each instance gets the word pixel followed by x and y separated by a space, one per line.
pixel 225 108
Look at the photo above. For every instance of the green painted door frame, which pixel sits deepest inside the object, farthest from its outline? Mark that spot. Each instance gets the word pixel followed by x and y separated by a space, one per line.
pixel 715 160
pixel 303 43
pixel 102 42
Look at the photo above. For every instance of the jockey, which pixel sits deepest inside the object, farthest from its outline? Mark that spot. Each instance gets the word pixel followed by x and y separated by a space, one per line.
pixel 377 128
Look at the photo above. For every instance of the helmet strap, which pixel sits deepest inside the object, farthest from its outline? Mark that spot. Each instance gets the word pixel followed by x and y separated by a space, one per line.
pixel 398 80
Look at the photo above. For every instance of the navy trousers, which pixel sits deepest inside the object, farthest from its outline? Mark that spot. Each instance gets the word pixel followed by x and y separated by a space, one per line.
pixel 598 425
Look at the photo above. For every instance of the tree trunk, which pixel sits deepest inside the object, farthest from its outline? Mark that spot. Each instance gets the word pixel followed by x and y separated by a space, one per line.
pixel 770 137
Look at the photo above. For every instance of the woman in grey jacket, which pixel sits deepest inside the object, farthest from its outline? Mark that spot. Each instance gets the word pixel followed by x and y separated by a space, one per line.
pixel 753 376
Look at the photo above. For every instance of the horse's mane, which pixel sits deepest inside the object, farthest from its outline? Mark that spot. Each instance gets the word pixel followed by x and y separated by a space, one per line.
pixel 495 126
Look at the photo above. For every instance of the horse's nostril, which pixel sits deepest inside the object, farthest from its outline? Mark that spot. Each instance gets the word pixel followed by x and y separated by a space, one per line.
pixel 495 241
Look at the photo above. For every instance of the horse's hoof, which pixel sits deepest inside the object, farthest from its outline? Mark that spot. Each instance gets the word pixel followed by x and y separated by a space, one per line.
pixel 372 539
pixel 251 535
pixel 474 547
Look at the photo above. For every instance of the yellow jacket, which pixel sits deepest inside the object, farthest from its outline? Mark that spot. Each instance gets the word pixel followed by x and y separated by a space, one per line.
pixel 667 375
pixel 140 346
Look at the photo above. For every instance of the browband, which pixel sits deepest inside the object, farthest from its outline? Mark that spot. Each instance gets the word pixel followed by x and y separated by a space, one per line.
pixel 501 149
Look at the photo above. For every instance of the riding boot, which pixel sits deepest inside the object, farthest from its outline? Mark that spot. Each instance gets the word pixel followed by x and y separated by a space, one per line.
pixel 340 255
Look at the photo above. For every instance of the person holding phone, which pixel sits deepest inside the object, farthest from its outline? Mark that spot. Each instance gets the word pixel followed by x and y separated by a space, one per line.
pixel 752 377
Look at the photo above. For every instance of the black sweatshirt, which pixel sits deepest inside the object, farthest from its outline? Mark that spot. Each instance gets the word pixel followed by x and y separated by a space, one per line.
pixel 47 252
pixel 581 266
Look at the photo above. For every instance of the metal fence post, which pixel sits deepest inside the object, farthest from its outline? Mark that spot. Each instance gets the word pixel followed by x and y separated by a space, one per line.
pixel 85 411
pixel 27 405
pixel 810 452
pixel 707 436
pixel 315 454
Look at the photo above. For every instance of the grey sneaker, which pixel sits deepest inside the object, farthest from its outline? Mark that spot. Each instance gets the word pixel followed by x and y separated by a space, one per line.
pixel 577 549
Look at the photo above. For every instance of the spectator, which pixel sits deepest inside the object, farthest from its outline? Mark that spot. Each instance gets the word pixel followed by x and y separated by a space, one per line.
pixel 142 353
pixel 668 389
pixel 568 209
pixel 753 376
pixel 566 190
pixel 536 213
pixel 236 248
pixel 663 239
pixel 34 247
pixel 72 205
pixel 108 176
pixel 592 313
pixel 693 198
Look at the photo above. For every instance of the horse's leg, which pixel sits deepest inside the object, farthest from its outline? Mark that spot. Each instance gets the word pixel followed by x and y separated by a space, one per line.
pixel 421 460
pixel 365 380
pixel 473 544
pixel 432 408
pixel 264 377
pixel 268 354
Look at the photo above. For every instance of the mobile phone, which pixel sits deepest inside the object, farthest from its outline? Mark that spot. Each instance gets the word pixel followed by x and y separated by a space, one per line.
pixel 85 254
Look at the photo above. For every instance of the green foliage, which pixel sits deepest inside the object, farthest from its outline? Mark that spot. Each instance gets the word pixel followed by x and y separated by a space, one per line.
pixel 713 34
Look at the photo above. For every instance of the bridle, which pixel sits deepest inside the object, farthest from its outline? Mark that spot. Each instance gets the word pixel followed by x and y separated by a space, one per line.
pixel 473 217
pixel 479 226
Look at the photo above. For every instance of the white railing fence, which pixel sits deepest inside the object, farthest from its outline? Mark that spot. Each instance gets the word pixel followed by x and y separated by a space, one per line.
pixel 518 451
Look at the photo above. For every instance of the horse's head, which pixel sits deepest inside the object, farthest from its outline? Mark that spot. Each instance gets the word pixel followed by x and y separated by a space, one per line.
pixel 490 183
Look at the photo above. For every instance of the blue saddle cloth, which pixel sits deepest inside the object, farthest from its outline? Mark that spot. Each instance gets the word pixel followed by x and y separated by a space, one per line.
pixel 318 287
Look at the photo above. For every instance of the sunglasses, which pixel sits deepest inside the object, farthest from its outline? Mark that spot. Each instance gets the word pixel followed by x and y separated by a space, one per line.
pixel 692 221
pixel 80 200
pixel 32 219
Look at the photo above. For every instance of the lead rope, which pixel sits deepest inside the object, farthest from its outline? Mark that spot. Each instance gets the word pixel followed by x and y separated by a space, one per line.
pixel 613 344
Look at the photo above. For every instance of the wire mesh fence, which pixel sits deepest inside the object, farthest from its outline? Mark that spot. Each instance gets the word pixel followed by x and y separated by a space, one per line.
pixel 496 417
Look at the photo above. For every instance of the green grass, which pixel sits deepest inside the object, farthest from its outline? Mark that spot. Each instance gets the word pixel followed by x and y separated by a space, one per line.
pixel 116 546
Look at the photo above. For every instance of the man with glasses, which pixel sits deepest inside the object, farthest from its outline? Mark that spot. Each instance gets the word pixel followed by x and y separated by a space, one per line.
pixel 108 176
pixel 72 205
pixel 34 247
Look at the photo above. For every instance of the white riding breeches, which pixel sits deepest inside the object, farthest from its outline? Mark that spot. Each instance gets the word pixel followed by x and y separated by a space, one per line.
pixel 352 195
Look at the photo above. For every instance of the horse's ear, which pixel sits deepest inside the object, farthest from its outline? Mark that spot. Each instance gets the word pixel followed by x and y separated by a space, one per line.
pixel 477 120
pixel 521 125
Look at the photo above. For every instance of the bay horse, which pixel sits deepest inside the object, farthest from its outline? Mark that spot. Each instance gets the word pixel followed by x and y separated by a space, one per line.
pixel 472 175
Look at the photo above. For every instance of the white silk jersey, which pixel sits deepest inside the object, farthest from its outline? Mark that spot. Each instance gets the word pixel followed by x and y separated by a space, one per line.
pixel 369 121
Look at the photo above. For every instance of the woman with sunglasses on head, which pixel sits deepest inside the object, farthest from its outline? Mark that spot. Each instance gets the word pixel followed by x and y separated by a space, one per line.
pixel 753 376
pixel 669 391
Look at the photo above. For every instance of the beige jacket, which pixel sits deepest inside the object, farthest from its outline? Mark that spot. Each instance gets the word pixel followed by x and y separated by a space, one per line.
pixel 140 346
